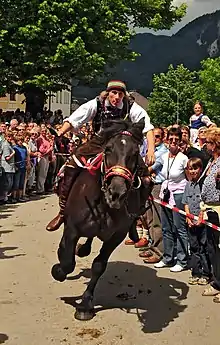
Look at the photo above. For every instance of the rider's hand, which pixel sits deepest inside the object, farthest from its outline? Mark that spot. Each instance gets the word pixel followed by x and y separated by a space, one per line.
pixel 150 158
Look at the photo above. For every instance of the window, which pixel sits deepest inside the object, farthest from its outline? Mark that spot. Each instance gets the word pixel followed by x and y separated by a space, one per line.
pixel 57 97
pixel 12 96
pixel 66 97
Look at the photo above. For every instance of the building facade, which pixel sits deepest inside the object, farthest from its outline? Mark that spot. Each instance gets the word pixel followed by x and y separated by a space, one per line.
pixel 60 100
pixel 11 102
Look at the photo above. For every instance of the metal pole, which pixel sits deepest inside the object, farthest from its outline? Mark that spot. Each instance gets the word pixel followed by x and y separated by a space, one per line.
pixel 177 112
pixel 49 100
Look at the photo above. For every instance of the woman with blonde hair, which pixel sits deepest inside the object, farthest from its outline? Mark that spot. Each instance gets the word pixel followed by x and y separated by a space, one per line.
pixel 197 120
pixel 210 208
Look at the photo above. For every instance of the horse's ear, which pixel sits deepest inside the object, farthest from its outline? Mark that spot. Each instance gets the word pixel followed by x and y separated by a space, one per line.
pixel 137 129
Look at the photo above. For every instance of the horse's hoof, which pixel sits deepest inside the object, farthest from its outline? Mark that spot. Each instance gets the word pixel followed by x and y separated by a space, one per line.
pixel 58 273
pixel 83 250
pixel 84 315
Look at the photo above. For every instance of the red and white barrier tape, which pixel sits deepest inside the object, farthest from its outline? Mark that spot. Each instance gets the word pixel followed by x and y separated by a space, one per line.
pixel 191 216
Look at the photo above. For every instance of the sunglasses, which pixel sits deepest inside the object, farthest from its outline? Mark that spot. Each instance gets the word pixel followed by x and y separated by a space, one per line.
pixel 175 140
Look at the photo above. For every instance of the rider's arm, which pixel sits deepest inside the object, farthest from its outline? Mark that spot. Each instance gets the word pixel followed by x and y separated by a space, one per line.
pixel 65 128
pixel 150 158
pixel 137 113
pixel 80 116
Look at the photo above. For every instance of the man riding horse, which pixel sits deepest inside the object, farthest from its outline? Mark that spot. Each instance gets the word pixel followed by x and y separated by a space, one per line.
pixel 113 104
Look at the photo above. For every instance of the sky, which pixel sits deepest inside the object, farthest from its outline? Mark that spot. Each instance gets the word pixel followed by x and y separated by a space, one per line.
pixel 196 8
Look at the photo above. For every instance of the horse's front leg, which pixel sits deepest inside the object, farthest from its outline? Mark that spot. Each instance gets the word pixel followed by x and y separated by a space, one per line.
pixel 66 253
pixel 84 249
pixel 85 310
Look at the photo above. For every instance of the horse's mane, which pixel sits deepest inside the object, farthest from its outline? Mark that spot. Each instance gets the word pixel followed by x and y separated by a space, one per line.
pixel 114 127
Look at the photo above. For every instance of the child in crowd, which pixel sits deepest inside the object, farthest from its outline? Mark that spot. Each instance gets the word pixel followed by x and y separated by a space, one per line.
pixel 20 166
pixel 200 264
pixel 197 120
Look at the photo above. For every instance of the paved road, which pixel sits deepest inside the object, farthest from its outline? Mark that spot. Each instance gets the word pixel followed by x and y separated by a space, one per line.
pixel 34 309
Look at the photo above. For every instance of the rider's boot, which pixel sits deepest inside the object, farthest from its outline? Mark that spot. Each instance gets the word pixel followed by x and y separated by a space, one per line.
pixel 133 234
pixel 69 178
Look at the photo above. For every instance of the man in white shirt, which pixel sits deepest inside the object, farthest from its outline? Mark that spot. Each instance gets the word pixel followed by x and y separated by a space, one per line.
pixel 112 104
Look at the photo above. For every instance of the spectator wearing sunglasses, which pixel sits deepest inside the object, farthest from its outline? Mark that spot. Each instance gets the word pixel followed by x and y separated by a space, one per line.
pixel 174 230
pixel 151 219
pixel 201 139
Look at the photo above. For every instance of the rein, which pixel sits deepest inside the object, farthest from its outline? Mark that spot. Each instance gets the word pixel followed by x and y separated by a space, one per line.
pixel 116 170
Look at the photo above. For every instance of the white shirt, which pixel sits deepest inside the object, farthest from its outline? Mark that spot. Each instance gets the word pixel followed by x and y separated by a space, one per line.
pixel 177 180
pixel 177 170
pixel 87 111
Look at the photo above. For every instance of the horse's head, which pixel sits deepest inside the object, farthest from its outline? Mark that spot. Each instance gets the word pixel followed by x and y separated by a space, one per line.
pixel 121 161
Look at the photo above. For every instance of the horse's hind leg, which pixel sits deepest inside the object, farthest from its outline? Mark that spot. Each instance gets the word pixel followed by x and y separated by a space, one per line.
pixel 84 249
pixel 66 254
pixel 85 310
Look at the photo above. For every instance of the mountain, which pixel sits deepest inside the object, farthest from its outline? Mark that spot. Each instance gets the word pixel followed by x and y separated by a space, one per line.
pixel 198 40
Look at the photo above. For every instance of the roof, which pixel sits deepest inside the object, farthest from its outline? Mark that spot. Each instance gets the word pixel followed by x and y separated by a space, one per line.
pixel 139 99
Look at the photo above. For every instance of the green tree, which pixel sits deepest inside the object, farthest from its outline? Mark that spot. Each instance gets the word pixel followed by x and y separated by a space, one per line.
pixel 45 43
pixel 208 91
pixel 172 98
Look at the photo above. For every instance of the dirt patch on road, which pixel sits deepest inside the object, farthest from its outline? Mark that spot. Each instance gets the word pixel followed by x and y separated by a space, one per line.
pixel 93 333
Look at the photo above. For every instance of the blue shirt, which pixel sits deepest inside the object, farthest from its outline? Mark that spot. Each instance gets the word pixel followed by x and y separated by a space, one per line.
pixel 143 148
pixel 20 157
pixel 192 197
pixel 157 166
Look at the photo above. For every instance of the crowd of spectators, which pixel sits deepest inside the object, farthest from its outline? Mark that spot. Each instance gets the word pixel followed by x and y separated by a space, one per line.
pixel 31 156
pixel 186 173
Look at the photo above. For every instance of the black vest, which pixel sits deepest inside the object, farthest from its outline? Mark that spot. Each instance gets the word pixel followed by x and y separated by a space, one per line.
pixel 106 113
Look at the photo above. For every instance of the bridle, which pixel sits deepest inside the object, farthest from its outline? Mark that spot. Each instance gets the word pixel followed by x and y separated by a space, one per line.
pixel 118 170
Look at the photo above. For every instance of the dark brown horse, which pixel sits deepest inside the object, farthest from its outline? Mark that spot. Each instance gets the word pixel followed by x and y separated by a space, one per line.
pixel 103 204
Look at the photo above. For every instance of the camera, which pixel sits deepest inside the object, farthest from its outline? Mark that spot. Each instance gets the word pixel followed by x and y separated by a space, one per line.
pixel 166 195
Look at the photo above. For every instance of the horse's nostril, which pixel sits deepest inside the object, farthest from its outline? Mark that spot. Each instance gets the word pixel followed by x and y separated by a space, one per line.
pixel 115 196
